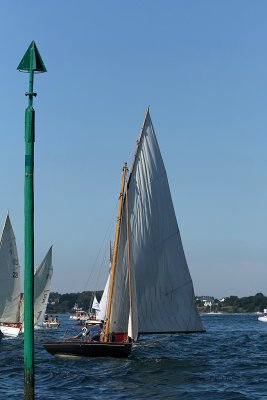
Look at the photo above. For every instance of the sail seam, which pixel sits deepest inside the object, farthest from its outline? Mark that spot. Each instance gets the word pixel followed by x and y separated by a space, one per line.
pixel 166 239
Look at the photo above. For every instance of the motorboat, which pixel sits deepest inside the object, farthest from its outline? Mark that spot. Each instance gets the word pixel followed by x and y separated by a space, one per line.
pixel 263 318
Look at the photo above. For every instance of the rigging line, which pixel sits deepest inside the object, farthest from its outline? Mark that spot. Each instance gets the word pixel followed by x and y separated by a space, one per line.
pixel 102 263
pixel 92 271
pixel 92 274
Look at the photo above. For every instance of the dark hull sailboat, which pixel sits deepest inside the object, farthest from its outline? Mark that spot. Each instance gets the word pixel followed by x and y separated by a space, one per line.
pixel 150 289
pixel 88 349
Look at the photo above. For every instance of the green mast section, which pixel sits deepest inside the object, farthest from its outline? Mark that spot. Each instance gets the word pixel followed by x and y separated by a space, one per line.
pixel 31 62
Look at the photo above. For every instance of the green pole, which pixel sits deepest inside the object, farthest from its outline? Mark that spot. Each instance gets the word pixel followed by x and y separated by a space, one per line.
pixel 31 62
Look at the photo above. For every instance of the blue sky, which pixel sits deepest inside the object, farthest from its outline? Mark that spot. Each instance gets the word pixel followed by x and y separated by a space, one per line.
pixel 202 67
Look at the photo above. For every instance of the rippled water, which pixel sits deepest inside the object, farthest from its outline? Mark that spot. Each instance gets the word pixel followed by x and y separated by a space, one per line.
pixel 229 361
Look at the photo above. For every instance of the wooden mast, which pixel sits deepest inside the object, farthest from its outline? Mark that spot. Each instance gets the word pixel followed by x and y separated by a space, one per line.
pixel 115 254
pixel 116 242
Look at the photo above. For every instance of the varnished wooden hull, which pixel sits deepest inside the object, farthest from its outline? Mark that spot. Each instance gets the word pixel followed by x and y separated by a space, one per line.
pixel 88 349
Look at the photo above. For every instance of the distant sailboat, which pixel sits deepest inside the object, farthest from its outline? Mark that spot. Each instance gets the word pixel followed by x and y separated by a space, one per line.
pixel 9 282
pixel 95 309
pixel 150 289
pixel 11 301
pixel 42 286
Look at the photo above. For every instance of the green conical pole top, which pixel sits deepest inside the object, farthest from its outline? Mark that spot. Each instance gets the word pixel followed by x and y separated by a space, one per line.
pixel 31 62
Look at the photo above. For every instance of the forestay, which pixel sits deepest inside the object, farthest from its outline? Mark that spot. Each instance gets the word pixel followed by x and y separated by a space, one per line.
pixel 164 289
pixel 9 275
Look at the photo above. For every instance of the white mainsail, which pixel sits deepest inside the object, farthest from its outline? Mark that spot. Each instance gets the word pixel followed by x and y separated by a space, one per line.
pixel 9 275
pixel 42 285
pixel 164 289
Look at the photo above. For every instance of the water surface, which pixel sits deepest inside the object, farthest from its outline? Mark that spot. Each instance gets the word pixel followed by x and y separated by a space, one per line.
pixel 229 361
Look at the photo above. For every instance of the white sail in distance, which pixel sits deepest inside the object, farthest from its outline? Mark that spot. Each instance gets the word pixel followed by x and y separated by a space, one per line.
pixel 9 275
pixel 42 285
pixel 95 305
pixel 164 289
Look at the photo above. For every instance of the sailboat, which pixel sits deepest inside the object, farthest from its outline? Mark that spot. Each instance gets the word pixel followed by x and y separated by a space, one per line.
pixel 150 289
pixel 95 309
pixel 9 282
pixel 11 300
pixel 42 286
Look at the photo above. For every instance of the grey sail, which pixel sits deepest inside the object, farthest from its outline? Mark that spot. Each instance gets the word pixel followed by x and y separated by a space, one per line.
pixel 163 287
pixel 9 275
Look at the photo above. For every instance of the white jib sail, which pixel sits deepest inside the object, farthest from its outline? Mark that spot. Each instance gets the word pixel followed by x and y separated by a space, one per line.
pixel 9 275
pixel 101 313
pixel 164 289
pixel 42 285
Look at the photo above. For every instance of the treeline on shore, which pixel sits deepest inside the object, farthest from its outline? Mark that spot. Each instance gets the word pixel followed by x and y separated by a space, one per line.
pixel 235 304
pixel 63 303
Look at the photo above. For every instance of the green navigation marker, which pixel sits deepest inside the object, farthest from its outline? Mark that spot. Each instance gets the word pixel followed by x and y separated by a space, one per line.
pixel 31 62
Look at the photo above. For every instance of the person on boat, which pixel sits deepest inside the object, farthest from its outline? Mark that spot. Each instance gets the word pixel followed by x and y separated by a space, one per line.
pixel 46 317
pixel 96 337
pixel 101 336
pixel 83 334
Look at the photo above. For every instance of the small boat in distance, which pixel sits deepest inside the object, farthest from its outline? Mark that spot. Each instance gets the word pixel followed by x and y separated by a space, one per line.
pixel 80 315
pixel 263 318
pixel 50 322
pixel 93 320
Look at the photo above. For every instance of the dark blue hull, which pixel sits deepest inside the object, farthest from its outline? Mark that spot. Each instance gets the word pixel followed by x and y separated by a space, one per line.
pixel 88 349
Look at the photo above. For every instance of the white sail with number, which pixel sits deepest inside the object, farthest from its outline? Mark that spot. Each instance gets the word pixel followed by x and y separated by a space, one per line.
pixel 9 276
pixel 162 286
